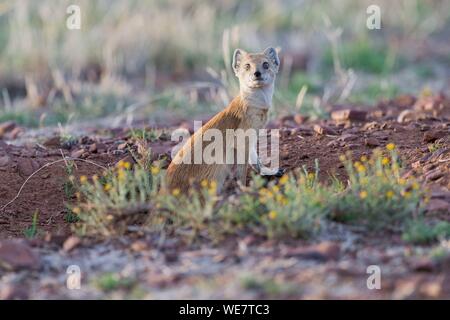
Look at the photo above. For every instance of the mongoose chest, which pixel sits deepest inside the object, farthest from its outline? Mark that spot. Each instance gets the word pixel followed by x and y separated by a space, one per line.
pixel 256 117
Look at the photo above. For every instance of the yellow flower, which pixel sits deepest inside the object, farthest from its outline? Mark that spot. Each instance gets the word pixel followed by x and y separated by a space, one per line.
pixel 272 214
pixel 107 187
pixel 389 194
pixel 363 194
pixel 155 170
pixel 415 186
pixel 204 183
pixel 127 165
pixel 121 175
pixel 406 194
pixel 385 161
pixel 390 146
pixel 120 164
pixel 363 159
pixel 401 181
pixel 95 178
pixel 275 189
pixel 361 169
pixel 280 198
pixel 311 175
pixel 342 158
pixel 284 179
pixel 357 164
pixel 176 192
pixel 76 210
pixel 83 179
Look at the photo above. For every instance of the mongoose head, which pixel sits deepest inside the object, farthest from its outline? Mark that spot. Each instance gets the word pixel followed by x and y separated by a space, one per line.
pixel 256 70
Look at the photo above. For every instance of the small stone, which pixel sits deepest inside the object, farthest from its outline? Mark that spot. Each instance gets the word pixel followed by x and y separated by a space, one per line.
pixel 139 246
pixel 15 255
pixel 6 127
pixel 14 292
pixel 54 142
pixel 4 161
pixel 299 119
pixel 324 130
pixel 323 251
pixel 348 137
pixel 433 135
pixel 71 243
pixel 15 133
pixel 371 142
pixel 370 126
pixel 436 205
pixel 349 114
pixel 27 166
pixel 77 153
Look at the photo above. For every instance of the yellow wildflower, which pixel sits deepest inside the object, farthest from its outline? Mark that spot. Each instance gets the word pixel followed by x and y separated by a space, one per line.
pixel 406 194
pixel 95 178
pixel 284 179
pixel 390 146
pixel 127 165
pixel 155 170
pixel 83 179
pixel 389 194
pixel 363 194
pixel 401 181
pixel 107 187
pixel 121 174
pixel 363 159
pixel 204 183
pixel 272 214
pixel 361 169
pixel 76 210
pixel 385 161
pixel 176 192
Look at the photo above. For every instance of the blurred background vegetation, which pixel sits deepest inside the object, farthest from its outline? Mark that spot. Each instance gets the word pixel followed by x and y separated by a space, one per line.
pixel 151 59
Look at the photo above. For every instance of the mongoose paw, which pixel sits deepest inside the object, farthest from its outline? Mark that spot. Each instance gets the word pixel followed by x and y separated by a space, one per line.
pixel 280 172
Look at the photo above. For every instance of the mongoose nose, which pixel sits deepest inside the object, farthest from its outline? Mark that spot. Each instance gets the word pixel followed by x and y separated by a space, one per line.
pixel 257 74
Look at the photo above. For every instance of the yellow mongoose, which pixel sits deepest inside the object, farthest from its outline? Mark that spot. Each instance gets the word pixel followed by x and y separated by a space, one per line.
pixel 256 73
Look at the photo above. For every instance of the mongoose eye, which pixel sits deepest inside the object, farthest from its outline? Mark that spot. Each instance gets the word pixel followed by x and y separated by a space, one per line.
pixel 266 65
pixel 247 67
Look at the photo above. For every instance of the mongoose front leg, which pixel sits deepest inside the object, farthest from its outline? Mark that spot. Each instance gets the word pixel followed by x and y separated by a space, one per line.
pixel 257 165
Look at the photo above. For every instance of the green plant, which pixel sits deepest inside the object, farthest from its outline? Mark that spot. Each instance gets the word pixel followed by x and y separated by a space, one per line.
pixel 69 186
pixel 420 232
pixel 122 197
pixel 435 146
pixel 378 197
pixel 111 281
pixel 32 230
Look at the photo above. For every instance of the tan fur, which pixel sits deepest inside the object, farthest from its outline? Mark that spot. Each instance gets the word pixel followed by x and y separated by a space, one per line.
pixel 248 110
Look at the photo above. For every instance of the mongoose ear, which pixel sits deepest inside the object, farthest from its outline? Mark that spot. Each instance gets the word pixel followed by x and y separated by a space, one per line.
pixel 272 54
pixel 237 57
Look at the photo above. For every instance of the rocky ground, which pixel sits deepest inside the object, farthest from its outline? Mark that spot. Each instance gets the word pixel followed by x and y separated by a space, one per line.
pixel 334 265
